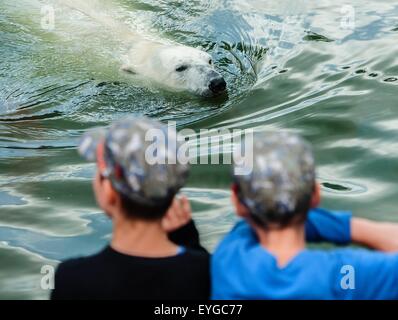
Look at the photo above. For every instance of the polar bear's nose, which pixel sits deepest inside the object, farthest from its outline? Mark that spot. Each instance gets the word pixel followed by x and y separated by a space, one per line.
pixel 217 85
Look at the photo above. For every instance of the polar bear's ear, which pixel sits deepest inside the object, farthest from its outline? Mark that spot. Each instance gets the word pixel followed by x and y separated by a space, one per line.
pixel 127 68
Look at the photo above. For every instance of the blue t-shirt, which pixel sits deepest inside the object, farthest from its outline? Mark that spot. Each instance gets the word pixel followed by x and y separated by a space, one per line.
pixel 242 269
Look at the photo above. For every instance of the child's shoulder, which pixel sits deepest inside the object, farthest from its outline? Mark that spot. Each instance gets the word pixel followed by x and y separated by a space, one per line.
pixel 242 229
pixel 77 266
pixel 241 235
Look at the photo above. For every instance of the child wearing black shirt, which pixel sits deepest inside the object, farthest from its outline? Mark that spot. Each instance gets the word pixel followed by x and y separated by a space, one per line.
pixel 154 252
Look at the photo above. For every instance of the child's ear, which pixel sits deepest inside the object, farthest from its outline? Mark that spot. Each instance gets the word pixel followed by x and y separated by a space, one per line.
pixel 316 196
pixel 110 194
pixel 240 209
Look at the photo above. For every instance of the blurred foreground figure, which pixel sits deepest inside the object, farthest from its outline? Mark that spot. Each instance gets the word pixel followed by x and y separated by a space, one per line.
pixel 154 252
pixel 265 254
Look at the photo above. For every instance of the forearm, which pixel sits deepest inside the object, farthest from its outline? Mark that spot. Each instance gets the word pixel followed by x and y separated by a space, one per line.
pixel 381 236
pixel 187 236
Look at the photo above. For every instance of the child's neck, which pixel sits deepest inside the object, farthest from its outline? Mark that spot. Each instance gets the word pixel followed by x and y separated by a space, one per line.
pixel 284 243
pixel 141 238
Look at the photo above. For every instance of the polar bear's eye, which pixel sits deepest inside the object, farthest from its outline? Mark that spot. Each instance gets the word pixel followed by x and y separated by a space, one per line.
pixel 210 61
pixel 181 68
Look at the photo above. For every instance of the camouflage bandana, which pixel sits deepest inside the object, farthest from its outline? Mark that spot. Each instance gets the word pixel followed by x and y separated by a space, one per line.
pixel 282 179
pixel 139 157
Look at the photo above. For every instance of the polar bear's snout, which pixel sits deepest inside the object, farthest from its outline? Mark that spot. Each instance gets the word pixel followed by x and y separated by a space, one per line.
pixel 217 85
pixel 214 83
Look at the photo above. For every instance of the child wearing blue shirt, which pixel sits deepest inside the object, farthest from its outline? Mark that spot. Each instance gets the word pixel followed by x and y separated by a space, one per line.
pixel 265 255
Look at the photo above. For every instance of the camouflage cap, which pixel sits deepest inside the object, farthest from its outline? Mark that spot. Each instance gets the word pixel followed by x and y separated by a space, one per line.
pixel 282 178
pixel 139 157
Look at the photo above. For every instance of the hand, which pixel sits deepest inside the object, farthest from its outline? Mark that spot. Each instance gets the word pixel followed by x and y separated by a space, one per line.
pixel 178 215
pixel 381 236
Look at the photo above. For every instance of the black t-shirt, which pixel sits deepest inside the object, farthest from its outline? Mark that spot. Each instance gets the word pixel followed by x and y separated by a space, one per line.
pixel 113 275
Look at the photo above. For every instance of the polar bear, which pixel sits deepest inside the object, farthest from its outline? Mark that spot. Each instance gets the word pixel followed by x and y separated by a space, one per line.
pixel 177 67
pixel 172 65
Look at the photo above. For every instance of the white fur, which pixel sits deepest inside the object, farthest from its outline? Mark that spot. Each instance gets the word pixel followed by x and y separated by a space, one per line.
pixel 160 62
pixel 154 60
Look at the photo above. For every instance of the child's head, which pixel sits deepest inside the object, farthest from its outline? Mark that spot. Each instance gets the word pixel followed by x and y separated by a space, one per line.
pixel 138 174
pixel 281 187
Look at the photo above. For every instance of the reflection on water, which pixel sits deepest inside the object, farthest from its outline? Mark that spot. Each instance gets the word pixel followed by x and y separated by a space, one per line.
pixel 294 67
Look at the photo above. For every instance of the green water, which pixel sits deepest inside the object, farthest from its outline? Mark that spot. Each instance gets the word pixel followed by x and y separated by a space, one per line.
pixel 288 66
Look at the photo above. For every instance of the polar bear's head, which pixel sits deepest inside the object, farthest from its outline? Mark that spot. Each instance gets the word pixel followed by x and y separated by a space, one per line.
pixel 178 67
pixel 192 70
